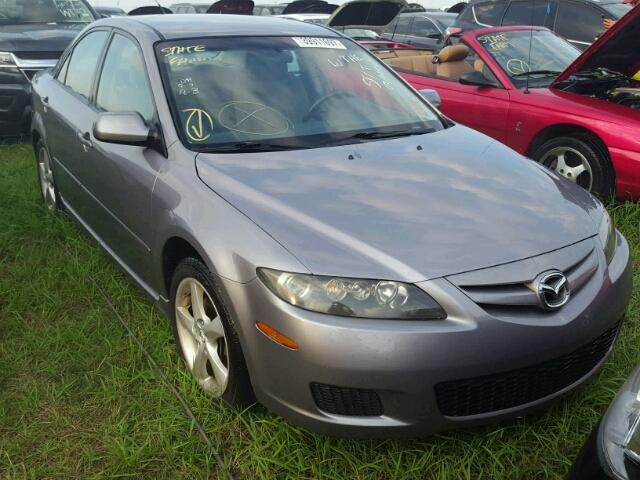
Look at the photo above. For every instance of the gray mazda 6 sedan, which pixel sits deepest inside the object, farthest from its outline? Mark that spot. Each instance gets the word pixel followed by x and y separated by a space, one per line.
pixel 323 239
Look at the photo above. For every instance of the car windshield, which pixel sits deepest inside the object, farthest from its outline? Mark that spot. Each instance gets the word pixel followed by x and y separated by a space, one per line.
pixel 44 11
pixel 529 56
pixel 235 94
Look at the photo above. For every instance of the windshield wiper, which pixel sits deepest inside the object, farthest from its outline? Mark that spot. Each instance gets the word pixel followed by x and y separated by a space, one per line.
pixel 374 135
pixel 537 72
pixel 241 147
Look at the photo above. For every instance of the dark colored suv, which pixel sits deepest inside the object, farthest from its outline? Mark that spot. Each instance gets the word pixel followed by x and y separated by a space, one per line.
pixel 421 29
pixel 33 35
pixel 579 21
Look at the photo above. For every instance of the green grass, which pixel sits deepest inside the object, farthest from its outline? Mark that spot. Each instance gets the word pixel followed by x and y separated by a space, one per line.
pixel 79 400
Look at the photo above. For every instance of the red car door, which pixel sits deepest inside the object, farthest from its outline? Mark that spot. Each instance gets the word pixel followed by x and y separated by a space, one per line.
pixel 482 108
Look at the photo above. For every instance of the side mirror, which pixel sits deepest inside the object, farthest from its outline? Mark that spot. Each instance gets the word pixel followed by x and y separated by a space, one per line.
pixel 435 36
pixel 476 78
pixel 431 96
pixel 127 128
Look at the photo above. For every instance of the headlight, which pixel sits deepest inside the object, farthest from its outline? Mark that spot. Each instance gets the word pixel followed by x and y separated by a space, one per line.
pixel 6 60
pixel 9 72
pixel 352 297
pixel 607 236
pixel 619 434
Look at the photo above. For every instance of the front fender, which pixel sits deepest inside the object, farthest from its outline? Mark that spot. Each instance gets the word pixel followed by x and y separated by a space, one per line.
pixel 231 245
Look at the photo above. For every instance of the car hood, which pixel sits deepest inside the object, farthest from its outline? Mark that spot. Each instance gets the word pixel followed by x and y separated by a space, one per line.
pixel 38 37
pixel 366 12
pixel 618 49
pixel 389 210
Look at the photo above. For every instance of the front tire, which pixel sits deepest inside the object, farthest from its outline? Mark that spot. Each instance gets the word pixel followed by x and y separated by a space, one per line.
pixel 46 180
pixel 205 336
pixel 581 161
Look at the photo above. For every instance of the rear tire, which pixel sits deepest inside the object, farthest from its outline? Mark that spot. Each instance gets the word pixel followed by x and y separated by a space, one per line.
pixel 46 180
pixel 580 160
pixel 205 335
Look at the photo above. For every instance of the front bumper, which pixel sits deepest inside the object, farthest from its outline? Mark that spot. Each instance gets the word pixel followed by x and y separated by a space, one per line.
pixel 626 164
pixel 403 363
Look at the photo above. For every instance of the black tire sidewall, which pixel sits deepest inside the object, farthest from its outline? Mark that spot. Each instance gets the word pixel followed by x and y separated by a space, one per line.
pixel 238 392
pixel 603 176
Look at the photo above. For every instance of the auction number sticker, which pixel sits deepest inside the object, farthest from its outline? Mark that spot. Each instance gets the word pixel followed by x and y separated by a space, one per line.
pixel 318 42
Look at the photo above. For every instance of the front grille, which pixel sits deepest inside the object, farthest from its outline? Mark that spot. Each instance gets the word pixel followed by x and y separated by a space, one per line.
pixel 356 402
pixel 499 391
pixel 500 292
pixel 39 55
pixel 6 102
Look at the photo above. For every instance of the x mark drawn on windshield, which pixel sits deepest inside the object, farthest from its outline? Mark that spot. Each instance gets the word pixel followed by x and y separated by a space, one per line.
pixel 253 118
pixel 253 114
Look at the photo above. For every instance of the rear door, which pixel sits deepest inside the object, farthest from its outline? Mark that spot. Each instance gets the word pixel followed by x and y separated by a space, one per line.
pixel 70 114
pixel 526 12
pixel 579 22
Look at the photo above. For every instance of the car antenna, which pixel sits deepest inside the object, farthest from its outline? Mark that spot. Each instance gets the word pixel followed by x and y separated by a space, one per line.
pixel 533 9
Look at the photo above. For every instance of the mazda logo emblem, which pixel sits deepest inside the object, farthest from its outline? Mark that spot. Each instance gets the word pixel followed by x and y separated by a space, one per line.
pixel 552 289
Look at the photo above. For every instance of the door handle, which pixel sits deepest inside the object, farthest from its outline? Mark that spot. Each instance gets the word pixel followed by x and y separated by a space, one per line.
pixel 85 139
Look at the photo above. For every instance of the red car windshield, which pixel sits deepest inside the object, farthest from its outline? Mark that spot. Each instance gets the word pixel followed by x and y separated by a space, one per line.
pixel 538 55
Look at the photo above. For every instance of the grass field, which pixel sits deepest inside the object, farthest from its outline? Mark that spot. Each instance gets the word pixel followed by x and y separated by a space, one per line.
pixel 79 400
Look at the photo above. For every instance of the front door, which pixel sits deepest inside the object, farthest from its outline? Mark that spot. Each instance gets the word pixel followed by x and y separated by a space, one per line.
pixel 125 173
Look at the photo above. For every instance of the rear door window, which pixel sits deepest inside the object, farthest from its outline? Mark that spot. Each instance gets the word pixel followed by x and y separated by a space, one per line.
pixel 489 14
pixel 62 73
pixel 84 62
pixel 402 27
pixel 423 27
pixel 538 13
pixel 389 29
pixel 579 22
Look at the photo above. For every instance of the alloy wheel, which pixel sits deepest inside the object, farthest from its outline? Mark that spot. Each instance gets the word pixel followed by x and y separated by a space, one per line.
pixel 571 164
pixel 47 186
pixel 201 336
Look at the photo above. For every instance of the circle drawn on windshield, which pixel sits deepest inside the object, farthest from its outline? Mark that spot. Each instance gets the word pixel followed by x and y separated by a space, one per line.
pixel 253 118
pixel 515 66
pixel 199 124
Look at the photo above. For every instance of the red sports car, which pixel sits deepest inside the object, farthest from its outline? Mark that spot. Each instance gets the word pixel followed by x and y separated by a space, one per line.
pixel 578 114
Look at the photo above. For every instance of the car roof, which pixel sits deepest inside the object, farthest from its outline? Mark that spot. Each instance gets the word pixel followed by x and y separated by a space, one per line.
pixel 429 13
pixel 105 8
pixel 173 27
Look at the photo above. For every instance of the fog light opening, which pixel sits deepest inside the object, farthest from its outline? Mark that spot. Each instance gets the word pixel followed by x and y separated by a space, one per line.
pixel 276 336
